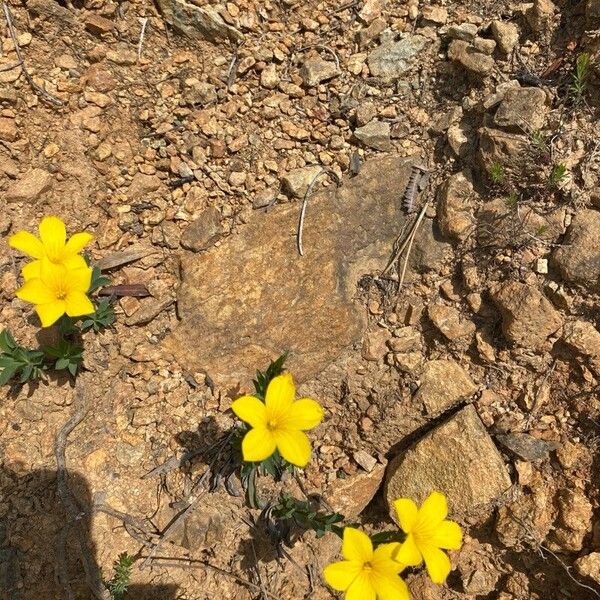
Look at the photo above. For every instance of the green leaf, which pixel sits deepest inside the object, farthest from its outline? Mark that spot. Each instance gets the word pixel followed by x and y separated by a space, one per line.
pixel 98 280
pixel 7 342
pixel 7 374
pixel 61 363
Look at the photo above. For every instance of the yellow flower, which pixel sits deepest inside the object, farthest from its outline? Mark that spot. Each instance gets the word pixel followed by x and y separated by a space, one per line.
pixel 427 531
pixel 278 423
pixel 53 246
pixel 366 574
pixel 57 291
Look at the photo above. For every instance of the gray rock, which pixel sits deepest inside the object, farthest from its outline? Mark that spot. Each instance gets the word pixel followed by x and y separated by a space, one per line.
pixel 455 207
pixel 202 233
pixel 392 59
pixel 317 70
pixel 281 301
pixel 528 318
pixel 525 446
pixel 457 458
pixel 444 384
pixel 464 31
pixel 522 109
pixel 578 259
pixel 506 34
pixel 197 22
pixel 375 134
pixel 296 182
pixel 29 187
pixel 467 56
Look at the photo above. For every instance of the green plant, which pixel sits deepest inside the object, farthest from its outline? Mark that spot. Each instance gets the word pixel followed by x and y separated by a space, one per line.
pixel 512 200
pixel 557 174
pixel 67 355
pixel 121 578
pixel 580 77
pixel 538 139
pixel 18 361
pixel 496 173
pixel 103 318
pixel 261 383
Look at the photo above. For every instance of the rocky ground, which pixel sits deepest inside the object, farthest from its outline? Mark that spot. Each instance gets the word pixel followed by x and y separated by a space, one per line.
pixel 186 137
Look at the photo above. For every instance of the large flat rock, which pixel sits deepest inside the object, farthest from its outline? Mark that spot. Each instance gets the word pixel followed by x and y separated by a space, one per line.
pixel 245 302
pixel 457 458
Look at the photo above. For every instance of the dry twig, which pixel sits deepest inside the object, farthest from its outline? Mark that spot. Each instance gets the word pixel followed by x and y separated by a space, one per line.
pixel 40 91
pixel 144 22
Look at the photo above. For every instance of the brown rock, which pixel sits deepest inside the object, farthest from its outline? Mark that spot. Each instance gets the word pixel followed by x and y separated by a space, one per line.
pixel 584 338
pixel 8 130
pixel 374 344
pixel 457 458
pixel 98 25
pixel 574 520
pixel 455 207
pixel 450 322
pixel 466 55
pixel 143 184
pixel 589 566
pixel 317 70
pixel 540 16
pixel 522 109
pixel 296 182
pixel 282 301
pixel 99 78
pixel 29 187
pixel 202 233
pixel 528 318
pixel 444 383
pixel 578 259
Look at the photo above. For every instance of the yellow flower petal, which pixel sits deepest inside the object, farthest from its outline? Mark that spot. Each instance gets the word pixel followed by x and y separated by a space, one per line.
pixel 447 535
pixel 279 397
pixel 27 243
pixel 52 274
pixel 79 279
pixel 384 558
pixel 74 261
pixel 36 292
pixel 53 235
pixel 51 312
pixel 361 588
pixel 407 511
pixel 257 445
pixel 303 414
pixel 77 242
pixel 409 553
pixel 437 563
pixel 251 410
pixel 357 545
pixel 389 587
pixel 78 304
pixel 341 574
pixel 294 446
pixel 433 511
pixel 32 270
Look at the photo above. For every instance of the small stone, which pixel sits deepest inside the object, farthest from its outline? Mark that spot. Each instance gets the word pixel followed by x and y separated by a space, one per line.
pixel 269 78
pixel 528 318
pixel 296 182
pixel 506 35
pixel 199 92
pixel 29 187
pixel 522 107
pixel 449 322
pixel 98 25
pixel 540 16
pixel 466 55
pixel 8 130
pixel 405 339
pixel 143 184
pixel 455 207
pixel 99 78
pixel 238 178
pixel 408 362
pixel 541 266
pixel 365 460
pixel 465 32
pixel 317 70
pixel 584 338
pixel 375 134
pixel 526 447
pixel 589 566
pixel 150 309
pixel 458 139
pixel 202 233
pixel 365 112
pixel 574 520
pixel 97 98
pixel 484 45
pixel 578 259
pixel 444 383
pixel 392 59
pixel 435 14
pixel 51 150
pixel 103 151
pixel 370 10
pixel 457 458
pixel 374 345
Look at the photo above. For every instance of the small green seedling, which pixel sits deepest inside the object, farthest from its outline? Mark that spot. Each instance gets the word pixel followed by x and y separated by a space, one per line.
pixel 121 578
pixel 66 354
pixel 580 77
pixel 512 200
pixel 496 173
pixel 557 174
pixel 18 361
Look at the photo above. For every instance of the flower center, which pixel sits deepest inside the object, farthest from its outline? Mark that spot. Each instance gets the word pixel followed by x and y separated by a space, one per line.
pixel 61 290
pixel 271 424
pixel 367 567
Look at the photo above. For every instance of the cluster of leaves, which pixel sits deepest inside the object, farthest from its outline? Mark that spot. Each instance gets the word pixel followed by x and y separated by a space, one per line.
pixel 580 77
pixel 261 383
pixel 28 364
pixel 121 578
pixel 289 518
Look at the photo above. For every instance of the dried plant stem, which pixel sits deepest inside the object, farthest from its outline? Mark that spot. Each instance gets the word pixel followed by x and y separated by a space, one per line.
pixel 144 22
pixel 410 240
